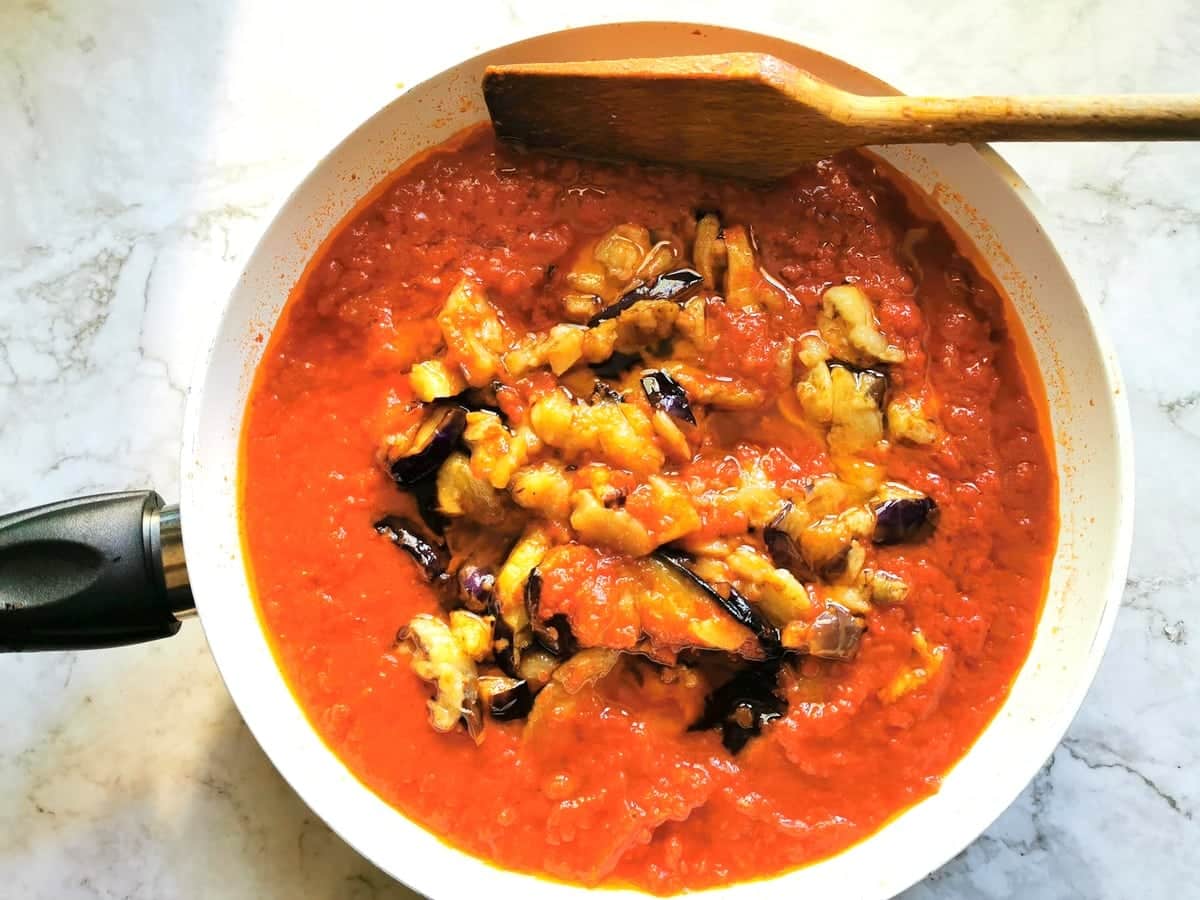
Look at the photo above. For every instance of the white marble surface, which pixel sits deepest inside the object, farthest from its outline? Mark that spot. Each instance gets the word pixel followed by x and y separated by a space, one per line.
pixel 141 145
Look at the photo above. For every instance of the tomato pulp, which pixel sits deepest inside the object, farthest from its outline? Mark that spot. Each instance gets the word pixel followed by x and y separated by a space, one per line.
pixel 613 789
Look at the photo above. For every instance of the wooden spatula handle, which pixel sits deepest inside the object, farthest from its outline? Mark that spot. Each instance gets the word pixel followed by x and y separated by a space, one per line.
pixel 1155 117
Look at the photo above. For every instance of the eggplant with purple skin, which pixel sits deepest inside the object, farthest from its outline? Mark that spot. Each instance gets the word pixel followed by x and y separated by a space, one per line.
pixel 505 698
pixel 603 392
pixel 475 586
pixel 729 600
pixel 424 492
pixel 616 364
pixel 482 399
pixel 432 558
pixel 782 538
pixel 870 383
pixel 554 634
pixel 676 285
pixel 504 640
pixel 436 439
pixel 665 393
pixel 856 397
pixel 835 634
pixel 903 515
pixel 743 705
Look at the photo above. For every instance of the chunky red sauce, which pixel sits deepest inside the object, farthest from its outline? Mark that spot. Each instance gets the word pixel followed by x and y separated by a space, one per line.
pixel 611 788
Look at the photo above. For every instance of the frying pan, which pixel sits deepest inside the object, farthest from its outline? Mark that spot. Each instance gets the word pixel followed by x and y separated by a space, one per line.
pixel 106 570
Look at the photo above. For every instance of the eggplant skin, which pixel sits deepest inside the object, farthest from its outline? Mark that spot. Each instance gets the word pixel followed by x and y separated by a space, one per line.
pixel 835 634
pixel 504 641
pixel 616 364
pixel 436 440
pixel 743 705
pixel 783 545
pixel 784 551
pixel 512 704
pixel 424 492
pixel 665 393
pixel 871 383
pixel 904 519
pixel 482 400
pixel 676 285
pixel 431 558
pixel 553 634
pixel 475 587
pixel 603 392
pixel 731 601
pixel 506 699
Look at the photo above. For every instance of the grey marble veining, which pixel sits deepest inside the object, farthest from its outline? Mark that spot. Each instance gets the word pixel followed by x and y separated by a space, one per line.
pixel 142 144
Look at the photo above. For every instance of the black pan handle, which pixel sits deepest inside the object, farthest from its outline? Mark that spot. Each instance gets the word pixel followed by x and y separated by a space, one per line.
pixel 96 571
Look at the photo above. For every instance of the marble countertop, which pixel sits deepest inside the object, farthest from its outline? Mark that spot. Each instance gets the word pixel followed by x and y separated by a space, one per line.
pixel 142 144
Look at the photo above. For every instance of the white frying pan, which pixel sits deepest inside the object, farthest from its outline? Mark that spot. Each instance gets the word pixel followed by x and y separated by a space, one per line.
pixel 100 571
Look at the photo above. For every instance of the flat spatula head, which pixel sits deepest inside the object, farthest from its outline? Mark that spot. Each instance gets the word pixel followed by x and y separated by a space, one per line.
pixel 744 114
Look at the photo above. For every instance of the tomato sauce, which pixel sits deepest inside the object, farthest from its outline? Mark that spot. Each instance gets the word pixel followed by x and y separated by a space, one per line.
pixel 611 788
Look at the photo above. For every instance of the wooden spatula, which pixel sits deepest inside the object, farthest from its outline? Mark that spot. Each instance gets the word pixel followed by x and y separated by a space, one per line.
pixel 754 115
